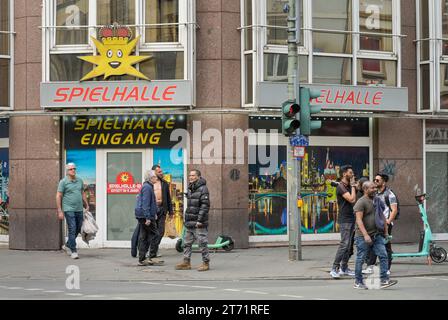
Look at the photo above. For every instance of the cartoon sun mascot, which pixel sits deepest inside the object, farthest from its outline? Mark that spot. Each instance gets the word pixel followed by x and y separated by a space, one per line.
pixel 114 57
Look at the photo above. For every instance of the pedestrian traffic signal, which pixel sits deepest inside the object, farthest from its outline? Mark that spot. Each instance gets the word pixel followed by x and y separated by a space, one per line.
pixel 289 122
pixel 307 110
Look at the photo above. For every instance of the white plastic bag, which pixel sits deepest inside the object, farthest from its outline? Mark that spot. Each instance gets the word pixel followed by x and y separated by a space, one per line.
pixel 89 227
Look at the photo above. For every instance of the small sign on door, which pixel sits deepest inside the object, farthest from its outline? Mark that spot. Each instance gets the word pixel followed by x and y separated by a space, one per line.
pixel 124 185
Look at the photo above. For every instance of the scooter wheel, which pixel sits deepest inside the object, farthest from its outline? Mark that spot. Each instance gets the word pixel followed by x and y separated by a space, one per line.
pixel 231 244
pixel 179 246
pixel 438 254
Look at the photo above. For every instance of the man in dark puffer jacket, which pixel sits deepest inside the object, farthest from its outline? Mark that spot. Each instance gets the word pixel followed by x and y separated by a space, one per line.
pixel 196 221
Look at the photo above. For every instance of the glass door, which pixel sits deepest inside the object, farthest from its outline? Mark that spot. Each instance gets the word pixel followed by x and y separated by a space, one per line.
pixel 122 179
pixel 436 182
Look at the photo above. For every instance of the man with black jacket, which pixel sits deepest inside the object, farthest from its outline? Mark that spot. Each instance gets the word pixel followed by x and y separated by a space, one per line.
pixel 196 221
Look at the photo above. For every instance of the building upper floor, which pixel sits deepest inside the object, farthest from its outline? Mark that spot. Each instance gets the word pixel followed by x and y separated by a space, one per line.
pixel 341 42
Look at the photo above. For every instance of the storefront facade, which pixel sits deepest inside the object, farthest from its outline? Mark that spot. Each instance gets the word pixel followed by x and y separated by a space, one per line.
pixel 217 66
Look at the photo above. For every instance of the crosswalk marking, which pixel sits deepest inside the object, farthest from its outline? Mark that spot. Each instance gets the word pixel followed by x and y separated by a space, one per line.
pixel 74 294
pixel 34 289
pixel 290 296
pixel 175 285
pixel 232 290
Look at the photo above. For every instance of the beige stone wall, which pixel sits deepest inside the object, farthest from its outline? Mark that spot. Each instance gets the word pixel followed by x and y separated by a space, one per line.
pixel 218 83
pixel 34 143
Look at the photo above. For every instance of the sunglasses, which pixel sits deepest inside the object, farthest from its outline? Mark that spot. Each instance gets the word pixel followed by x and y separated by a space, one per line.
pixel 72 169
pixel 376 180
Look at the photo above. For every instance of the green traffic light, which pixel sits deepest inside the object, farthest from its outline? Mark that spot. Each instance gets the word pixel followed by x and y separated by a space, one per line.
pixel 306 110
pixel 289 122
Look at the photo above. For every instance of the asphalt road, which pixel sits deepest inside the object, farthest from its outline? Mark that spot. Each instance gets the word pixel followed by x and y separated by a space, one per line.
pixel 413 288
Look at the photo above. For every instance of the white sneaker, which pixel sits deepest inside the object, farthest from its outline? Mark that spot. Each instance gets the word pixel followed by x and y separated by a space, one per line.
pixel 67 250
pixel 335 274
pixel 368 270
pixel 74 255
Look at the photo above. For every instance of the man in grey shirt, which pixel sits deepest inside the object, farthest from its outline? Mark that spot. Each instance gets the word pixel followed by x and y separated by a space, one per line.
pixel 70 198
pixel 368 237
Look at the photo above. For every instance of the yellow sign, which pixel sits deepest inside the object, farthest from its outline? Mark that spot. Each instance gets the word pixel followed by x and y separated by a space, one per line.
pixel 114 57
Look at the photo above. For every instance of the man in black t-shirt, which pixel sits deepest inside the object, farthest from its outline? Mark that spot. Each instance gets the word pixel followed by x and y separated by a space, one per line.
pixel 346 195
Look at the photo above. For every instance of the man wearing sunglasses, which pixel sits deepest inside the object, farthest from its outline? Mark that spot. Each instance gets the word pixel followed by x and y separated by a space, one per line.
pixel 70 199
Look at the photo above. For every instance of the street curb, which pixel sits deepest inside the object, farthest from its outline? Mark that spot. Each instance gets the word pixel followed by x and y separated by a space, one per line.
pixel 309 278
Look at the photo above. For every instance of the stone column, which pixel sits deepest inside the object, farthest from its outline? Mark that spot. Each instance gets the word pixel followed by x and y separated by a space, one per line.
pixel 219 86
pixel 34 143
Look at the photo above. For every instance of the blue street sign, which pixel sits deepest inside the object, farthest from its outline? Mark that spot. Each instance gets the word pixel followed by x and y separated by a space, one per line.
pixel 299 141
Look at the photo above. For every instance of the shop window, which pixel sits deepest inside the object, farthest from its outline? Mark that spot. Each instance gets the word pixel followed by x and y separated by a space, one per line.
pixel 247 33
pixel 163 26
pixel 444 4
pixel 67 67
pixel 332 15
pixel 268 187
pixel 276 17
pixel 173 173
pixel 249 83
pixel 4 177
pixel 162 12
pixel 73 14
pixel 332 70
pixel 4 81
pixel 320 166
pixel 267 192
pixel 436 182
pixel 425 87
pixel 375 16
pixel 6 63
pixel 164 65
pixel 120 11
pixel 377 72
pixel 276 67
pixel 444 87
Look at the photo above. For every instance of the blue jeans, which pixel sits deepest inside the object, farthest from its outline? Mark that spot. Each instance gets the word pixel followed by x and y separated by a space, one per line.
pixel 74 222
pixel 379 248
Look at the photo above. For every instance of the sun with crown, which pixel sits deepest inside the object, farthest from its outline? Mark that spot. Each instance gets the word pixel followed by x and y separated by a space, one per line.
pixel 114 57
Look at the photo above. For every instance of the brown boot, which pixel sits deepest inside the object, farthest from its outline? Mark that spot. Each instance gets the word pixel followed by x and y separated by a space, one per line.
pixel 185 265
pixel 205 266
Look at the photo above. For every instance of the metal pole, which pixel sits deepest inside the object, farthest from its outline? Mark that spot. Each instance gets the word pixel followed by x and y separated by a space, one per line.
pixel 293 181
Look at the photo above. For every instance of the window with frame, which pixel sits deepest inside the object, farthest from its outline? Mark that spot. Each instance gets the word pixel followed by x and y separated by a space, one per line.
pixel 6 43
pixel 432 55
pixel 349 42
pixel 162 25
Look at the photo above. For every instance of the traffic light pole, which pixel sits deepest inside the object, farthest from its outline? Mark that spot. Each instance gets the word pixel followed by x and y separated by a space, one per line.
pixel 293 177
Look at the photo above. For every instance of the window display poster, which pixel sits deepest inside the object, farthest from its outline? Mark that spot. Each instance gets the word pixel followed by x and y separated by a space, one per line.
pixel 173 170
pixel 4 195
pixel 319 212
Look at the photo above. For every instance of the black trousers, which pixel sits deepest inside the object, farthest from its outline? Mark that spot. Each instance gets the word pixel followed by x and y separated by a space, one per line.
pixel 147 238
pixel 161 217
pixel 371 257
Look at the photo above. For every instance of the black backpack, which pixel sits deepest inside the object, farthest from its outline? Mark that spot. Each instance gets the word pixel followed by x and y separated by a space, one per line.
pixel 386 198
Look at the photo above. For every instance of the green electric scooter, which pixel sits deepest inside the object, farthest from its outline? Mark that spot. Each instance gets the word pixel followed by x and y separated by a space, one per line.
pixel 427 246
pixel 222 242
